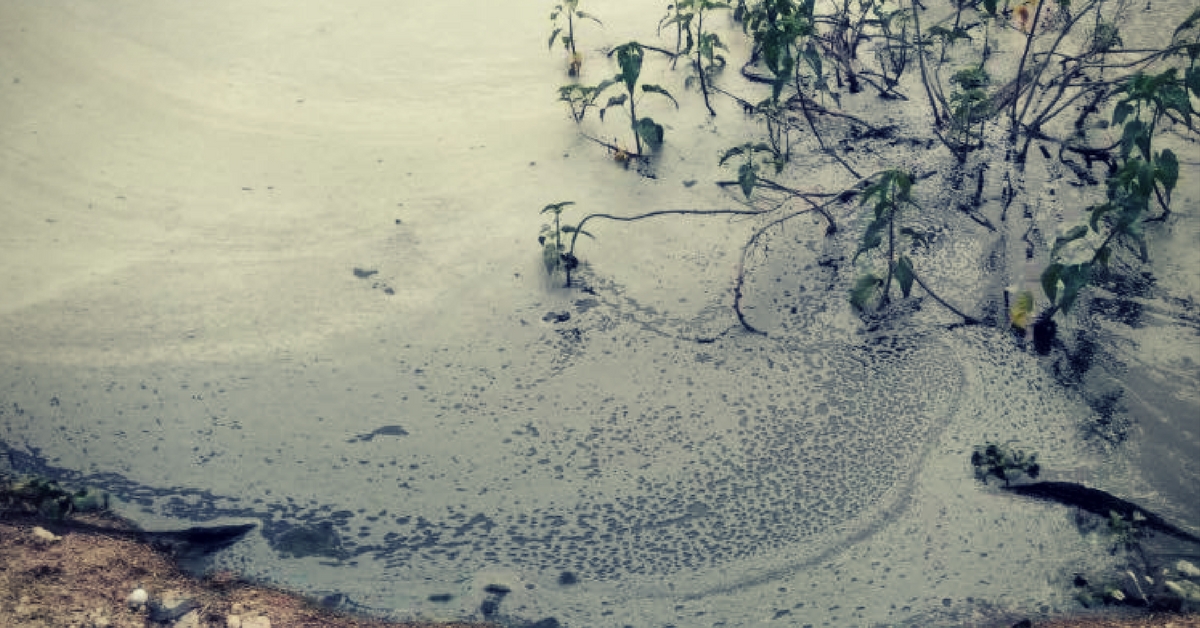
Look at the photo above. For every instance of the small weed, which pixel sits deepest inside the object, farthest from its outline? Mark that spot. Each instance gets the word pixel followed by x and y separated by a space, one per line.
pixel 47 499
pixel 629 59
pixel 556 254
pixel 748 170
pixel 568 9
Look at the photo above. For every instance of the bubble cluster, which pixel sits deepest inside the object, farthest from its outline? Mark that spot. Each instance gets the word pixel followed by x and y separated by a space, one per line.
pixel 752 455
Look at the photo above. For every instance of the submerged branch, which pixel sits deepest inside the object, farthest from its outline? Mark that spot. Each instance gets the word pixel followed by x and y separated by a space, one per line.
pixel 662 212
pixel 967 318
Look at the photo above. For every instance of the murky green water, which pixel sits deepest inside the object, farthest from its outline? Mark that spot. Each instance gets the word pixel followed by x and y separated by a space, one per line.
pixel 278 263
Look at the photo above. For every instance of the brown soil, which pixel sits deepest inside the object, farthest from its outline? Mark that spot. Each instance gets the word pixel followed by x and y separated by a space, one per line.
pixel 82 580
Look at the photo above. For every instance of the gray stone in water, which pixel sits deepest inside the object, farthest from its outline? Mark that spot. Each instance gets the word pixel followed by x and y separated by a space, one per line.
pixel 171 608
pixel 309 540
pixel 191 619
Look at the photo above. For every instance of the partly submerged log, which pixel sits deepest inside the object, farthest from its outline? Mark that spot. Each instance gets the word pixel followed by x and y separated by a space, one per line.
pixel 186 544
pixel 1100 503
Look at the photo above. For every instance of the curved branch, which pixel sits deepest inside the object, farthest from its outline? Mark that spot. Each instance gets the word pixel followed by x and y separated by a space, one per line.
pixel 662 212
pixel 968 319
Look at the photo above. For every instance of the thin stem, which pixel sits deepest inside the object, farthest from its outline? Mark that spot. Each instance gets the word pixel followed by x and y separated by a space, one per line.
pixel 968 319
pixel 933 104
pixel 637 137
pixel 1013 120
pixel 571 31
pixel 700 59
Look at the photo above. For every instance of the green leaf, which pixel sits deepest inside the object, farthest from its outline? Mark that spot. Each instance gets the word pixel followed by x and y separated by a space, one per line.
pixel 971 78
pixel 629 59
pixel 1167 169
pixel 747 177
pixel 553 36
pixel 1134 135
pixel 1145 178
pixel 733 152
pixel 1122 111
pixel 1097 212
pixel 570 229
pixel 614 101
pixel 1050 278
pixel 1191 21
pixel 1075 233
pixel 556 207
pixel 879 188
pixel 650 131
pixel 864 290
pixel 1174 96
pixel 872 237
pixel 588 16
pixel 658 90
pixel 904 275
pixel 1074 278
pixel 605 84
pixel 903 184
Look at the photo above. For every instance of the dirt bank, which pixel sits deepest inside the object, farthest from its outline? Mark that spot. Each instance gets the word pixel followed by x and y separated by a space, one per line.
pixel 83 579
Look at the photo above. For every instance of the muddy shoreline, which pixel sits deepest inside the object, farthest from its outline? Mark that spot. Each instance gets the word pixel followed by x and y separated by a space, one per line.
pixel 83 577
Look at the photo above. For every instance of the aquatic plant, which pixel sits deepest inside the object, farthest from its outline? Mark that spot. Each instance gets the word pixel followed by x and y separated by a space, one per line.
pixel 569 9
pixel 688 18
pixel 748 169
pixel 46 498
pixel 555 254
pixel 1063 71
pixel 780 30
pixel 629 60
pixel 888 196
pixel 970 107
pixel 1003 462
pixel 895 52
pixel 1146 177
pixel 558 255
pixel 580 98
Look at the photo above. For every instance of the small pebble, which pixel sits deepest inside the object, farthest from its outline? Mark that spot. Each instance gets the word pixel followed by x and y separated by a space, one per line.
pixel 190 620
pixel 45 536
pixel 138 598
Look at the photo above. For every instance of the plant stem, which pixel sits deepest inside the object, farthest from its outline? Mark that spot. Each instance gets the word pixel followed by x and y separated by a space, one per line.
pixel 1020 72
pixel 663 212
pixel 969 320
pixel 637 137
pixel 700 59
pixel 887 284
pixel 933 104
pixel 571 31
